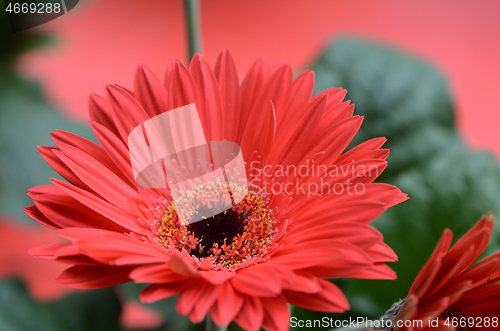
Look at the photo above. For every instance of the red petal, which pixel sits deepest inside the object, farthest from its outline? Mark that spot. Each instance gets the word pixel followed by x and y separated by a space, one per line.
pixel 47 251
pixel 256 280
pixel 480 272
pixel 304 282
pixel 115 248
pixel 64 211
pixel 304 255
pixel 190 296
pixel 302 90
pixel 364 171
pixel 335 139
pixel 377 271
pixel 217 277
pixel 432 309
pixel 209 102
pixel 55 163
pixel 92 277
pixel 156 273
pixel 100 113
pixel 278 89
pixel 72 255
pixel 157 292
pixel 204 303
pixel 408 311
pixel 361 235
pixel 97 152
pixel 477 237
pixel 121 103
pixel 63 138
pixel 34 213
pixel 447 273
pixel 381 252
pixel 206 264
pixel 429 271
pixel 251 314
pixel 362 212
pixel 117 152
pixel 336 111
pixel 181 87
pixel 259 136
pixel 367 146
pixel 453 292
pixel 276 314
pixel 250 88
pixel 330 299
pixel 227 306
pixel 105 209
pixel 352 259
pixel 99 178
pixel 289 148
pixel 150 92
pixel 168 71
pixel 229 87
pixel 183 265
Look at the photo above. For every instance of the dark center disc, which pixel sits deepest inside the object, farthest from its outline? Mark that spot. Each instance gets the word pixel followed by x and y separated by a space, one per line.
pixel 215 229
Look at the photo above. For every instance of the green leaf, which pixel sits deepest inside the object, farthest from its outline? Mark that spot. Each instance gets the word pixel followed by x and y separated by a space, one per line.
pixel 18 312
pixel 14 44
pixel 96 310
pixel 26 121
pixel 401 98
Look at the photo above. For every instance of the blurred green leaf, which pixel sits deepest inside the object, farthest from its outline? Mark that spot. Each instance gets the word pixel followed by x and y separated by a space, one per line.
pixel 14 44
pixel 97 310
pixel 18 312
pixel 407 101
pixel 26 120
pixel 401 98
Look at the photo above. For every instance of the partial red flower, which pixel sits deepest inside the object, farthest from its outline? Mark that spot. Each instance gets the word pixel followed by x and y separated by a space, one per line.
pixel 447 289
pixel 272 248
pixel 15 240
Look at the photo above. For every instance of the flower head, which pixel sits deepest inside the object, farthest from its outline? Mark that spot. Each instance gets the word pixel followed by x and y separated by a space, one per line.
pixel 304 217
pixel 449 293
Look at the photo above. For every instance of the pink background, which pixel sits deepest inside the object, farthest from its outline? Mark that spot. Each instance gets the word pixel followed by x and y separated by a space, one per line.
pixel 103 41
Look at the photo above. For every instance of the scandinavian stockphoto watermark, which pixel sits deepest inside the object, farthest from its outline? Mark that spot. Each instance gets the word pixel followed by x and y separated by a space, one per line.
pixel 312 179
pixel 364 323
pixel 350 323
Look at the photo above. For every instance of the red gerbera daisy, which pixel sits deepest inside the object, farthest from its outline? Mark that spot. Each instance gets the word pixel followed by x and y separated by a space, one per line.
pixel 275 246
pixel 447 294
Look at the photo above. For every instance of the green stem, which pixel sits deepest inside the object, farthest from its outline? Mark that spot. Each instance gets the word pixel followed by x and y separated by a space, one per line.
pixel 211 326
pixel 192 12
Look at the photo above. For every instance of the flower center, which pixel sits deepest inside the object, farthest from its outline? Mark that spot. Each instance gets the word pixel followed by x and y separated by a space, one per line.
pixel 216 231
pixel 231 239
